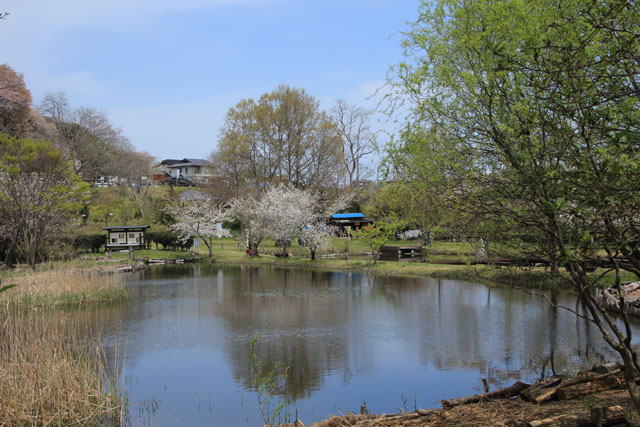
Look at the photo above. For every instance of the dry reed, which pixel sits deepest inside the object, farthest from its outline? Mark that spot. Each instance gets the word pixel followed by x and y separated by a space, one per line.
pixel 62 287
pixel 49 377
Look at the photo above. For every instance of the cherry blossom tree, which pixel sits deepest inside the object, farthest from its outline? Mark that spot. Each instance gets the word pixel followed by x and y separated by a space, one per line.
pixel 315 233
pixel 199 217
pixel 254 224
pixel 284 212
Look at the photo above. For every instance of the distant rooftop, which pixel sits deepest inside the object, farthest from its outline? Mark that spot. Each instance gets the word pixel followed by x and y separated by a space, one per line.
pixel 170 162
pixel 347 215
pixel 186 162
pixel 126 227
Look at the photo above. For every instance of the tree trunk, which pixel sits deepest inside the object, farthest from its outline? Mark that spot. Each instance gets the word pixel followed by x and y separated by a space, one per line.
pixel 555 270
pixel 313 254
pixel 629 378
pixel 621 343
pixel 253 248
pixel 543 390
pixel 8 259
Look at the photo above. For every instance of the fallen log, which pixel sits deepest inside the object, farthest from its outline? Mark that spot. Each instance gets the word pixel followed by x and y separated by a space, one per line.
pixel 590 387
pixel 504 393
pixel 549 391
pixel 607 368
pixel 543 390
pixel 612 415
pixel 588 377
pixel 419 417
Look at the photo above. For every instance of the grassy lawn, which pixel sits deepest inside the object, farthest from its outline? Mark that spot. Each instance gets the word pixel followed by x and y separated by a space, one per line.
pixel 444 259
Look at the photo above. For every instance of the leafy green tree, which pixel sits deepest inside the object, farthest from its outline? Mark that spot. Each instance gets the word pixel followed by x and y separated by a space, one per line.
pixel 377 234
pixel 39 194
pixel 281 137
pixel 532 110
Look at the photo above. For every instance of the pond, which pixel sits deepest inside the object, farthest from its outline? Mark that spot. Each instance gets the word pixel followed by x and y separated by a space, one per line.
pixel 345 338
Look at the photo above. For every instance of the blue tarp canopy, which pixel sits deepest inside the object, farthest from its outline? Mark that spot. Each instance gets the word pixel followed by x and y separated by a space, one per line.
pixel 347 215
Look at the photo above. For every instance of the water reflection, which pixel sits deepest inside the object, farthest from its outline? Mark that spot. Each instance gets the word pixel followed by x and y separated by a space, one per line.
pixel 345 337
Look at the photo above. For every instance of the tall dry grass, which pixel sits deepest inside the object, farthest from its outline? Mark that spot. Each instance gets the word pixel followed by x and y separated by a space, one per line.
pixel 49 377
pixel 62 287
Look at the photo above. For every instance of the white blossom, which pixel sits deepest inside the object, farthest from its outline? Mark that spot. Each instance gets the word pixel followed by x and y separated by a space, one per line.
pixel 285 212
pixel 198 218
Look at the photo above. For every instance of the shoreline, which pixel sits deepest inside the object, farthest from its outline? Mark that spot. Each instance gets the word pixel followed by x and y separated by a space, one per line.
pixel 509 412
pixel 480 273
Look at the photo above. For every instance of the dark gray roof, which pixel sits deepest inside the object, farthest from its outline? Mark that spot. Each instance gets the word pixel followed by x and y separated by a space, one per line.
pixel 170 162
pixel 190 162
pixel 126 227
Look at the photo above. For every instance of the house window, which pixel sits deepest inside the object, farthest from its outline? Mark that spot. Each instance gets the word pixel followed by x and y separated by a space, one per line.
pixel 114 240
pixel 132 235
pixel 137 240
pixel 121 236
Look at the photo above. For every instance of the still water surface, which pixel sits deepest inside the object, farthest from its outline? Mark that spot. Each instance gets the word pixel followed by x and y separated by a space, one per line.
pixel 346 338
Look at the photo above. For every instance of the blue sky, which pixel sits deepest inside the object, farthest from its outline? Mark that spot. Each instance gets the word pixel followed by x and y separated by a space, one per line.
pixel 167 71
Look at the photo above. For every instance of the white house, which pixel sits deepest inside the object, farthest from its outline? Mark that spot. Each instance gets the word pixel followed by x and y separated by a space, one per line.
pixel 198 170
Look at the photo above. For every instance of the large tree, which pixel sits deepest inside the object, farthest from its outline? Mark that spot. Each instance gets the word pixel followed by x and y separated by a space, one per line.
pixel 283 136
pixel 39 194
pixel 532 109
pixel 358 140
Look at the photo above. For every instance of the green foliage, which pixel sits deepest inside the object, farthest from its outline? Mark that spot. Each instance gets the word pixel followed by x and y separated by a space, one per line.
pixel 526 114
pixel 282 136
pixel 87 242
pixel 168 240
pixel 514 121
pixel 376 235
pixel 38 195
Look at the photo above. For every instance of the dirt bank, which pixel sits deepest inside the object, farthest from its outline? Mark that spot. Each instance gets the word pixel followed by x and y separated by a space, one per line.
pixel 509 412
